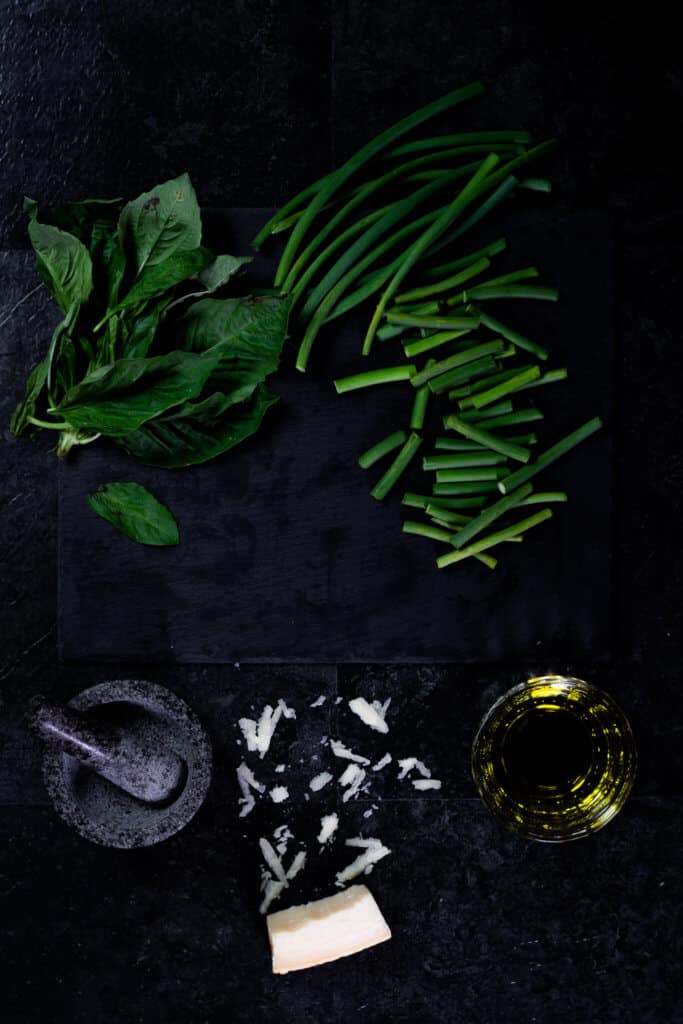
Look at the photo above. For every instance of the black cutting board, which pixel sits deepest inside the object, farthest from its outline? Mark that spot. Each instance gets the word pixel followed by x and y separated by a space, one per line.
pixel 284 556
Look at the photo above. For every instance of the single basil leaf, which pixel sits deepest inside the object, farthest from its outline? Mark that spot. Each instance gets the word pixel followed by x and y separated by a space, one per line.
pixel 118 398
pixel 249 333
pixel 134 511
pixel 63 262
pixel 35 386
pixel 159 223
pixel 161 277
pixel 197 431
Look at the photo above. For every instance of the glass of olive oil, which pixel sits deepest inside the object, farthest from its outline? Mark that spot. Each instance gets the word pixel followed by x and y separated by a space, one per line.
pixel 554 758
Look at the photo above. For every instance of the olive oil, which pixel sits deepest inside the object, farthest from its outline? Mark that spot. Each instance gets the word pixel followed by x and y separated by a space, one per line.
pixel 554 758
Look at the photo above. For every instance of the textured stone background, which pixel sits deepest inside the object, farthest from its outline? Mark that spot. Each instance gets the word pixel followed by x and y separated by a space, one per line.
pixel 255 99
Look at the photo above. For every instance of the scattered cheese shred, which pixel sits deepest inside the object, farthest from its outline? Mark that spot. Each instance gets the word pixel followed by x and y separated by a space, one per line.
pixel 318 702
pixel 374 850
pixel 259 734
pixel 408 764
pixel 279 768
pixel 279 794
pixel 247 782
pixel 372 714
pixel 329 824
pixel 339 750
pixel 352 778
pixel 272 891
pixel 382 763
pixel 319 932
pixel 272 860
pixel 318 781
pixel 296 865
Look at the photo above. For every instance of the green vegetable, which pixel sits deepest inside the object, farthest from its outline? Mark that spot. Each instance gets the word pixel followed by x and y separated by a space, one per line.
pixel 463 489
pixel 389 375
pixel 420 402
pixel 506 387
pixel 494 538
pixel 549 456
pixel 489 515
pixel 514 336
pixel 486 439
pixel 397 467
pixel 432 341
pixel 145 355
pixel 460 359
pixel 382 448
pixel 135 512
pixel 481 458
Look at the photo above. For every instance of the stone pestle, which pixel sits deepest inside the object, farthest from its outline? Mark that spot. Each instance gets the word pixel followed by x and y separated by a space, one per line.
pixel 149 773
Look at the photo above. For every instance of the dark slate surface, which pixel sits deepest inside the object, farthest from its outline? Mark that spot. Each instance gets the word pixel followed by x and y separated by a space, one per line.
pixel 525 933
pixel 284 555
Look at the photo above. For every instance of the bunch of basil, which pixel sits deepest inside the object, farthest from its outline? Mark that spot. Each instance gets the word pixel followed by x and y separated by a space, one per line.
pixel 145 355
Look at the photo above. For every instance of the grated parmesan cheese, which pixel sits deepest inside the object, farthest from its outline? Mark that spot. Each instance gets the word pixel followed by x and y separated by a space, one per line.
pixel 352 778
pixel 319 701
pixel 423 784
pixel 259 734
pixel 374 851
pixel 372 714
pixel 328 826
pixel 339 750
pixel 279 794
pixel 318 781
pixel 382 763
pixel 247 782
pixel 408 764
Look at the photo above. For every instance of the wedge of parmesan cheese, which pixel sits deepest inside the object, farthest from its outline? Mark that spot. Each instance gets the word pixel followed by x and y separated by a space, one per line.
pixel 327 929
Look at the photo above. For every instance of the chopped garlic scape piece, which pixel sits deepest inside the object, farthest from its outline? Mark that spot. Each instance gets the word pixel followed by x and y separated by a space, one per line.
pixel 339 750
pixel 372 714
pixel 423 784
pixel 325 930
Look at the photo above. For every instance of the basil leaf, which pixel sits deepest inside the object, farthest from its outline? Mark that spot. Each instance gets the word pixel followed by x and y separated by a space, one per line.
pixel 118 398
pixel 84 218
pixel 214 276
pixel 135 512
pixel 34 388
pixel 139 335
pixel 161 277
pixel 197 431
pixel 63 262
pixel 249 333
pixel 159 223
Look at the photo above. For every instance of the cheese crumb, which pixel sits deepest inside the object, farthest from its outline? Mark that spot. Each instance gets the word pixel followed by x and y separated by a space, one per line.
pixel 318 781
pixel 319 701
pixel 382 763
pixel 279 768
pixel 372 714
pixel 427 784
pixel 279 794
pixel 374 851
pixel 319 932
pixel 247 782
pixel 329 824
pixel 408 764
pixel 352 778
pixel 339 750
